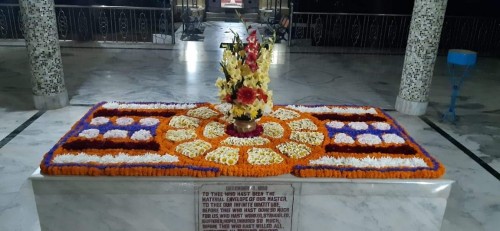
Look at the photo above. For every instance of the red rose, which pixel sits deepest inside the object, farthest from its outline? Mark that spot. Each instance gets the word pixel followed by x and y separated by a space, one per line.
pixel 262 95
pixel 228 98
pixel 246 95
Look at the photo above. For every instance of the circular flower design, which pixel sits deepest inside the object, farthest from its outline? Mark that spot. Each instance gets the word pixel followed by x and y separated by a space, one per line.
pixel 184 122
pixel 294 150
pixel 263 156
pixel 194 148
pixel 224 155
pixel 213 130
pixel 303 124
pixel 287 138
pixel 202 113
pixel 273 129
pixel 181 134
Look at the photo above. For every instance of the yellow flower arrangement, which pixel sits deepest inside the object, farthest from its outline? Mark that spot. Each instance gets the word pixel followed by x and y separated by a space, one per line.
pixel 246 71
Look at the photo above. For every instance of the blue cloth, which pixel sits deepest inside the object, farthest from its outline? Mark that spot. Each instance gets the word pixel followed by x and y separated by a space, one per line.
pixel 462 57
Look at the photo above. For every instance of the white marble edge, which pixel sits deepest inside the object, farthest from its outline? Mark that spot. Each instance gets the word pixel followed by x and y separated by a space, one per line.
pixel 428 188
pixel 37 176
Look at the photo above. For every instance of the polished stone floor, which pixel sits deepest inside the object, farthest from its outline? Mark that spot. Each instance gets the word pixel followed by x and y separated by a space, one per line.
pixel 187 72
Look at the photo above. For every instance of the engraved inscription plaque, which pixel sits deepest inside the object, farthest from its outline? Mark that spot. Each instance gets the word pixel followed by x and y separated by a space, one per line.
pixel 259 207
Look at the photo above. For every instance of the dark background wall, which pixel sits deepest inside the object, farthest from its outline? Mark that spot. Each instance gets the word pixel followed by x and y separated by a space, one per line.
pixel 489 8
pixel 455 7
pixel 156 3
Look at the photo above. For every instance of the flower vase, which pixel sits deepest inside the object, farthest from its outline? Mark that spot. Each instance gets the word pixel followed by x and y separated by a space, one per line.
pixel 244 126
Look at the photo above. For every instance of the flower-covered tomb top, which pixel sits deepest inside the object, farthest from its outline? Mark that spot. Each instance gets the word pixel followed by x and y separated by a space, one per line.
pixel 164 139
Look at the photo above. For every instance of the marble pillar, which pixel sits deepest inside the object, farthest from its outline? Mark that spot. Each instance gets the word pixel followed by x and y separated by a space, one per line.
pixel 423 41
pixel 42 40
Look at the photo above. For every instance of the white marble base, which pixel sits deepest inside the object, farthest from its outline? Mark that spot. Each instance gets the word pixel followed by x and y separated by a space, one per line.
pixel 411 107
pixel 44 102
pixel 169 203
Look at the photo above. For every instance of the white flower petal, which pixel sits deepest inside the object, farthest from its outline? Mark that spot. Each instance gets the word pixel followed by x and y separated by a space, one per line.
pixel 124 121
pixel 335 124
pixel 89 133
pixel 114 159
pixel 314 138
pixel 368 139
pixel 99 120
pixel 115 105
pixel 369 162
pixel 393 139
pixel 253 141
pixel 150 121
pixel 141 135
pixel 358 125
pixel 381 126
pixel 335 109
pixel 342 138
pixel 116 133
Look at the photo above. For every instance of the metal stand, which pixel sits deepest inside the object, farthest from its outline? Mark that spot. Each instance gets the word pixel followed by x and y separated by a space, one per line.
pixel 460 64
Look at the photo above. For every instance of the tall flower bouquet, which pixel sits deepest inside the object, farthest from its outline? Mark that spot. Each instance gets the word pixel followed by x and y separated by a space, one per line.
pixel 246 67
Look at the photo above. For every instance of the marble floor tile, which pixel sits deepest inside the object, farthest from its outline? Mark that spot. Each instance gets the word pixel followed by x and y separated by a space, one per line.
pixel 20 157
pixel 15 86
pixel 478 110
pixel 121 75
pixel 474 202
pixel 10 120
pixel 18 210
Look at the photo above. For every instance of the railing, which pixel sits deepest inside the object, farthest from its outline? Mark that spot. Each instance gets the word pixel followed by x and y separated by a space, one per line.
pixel 353 31
pixel 11 22
pixel 189 3
pixel 388 33
pixel 114 24
pixel 471 33
pixel 275 5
